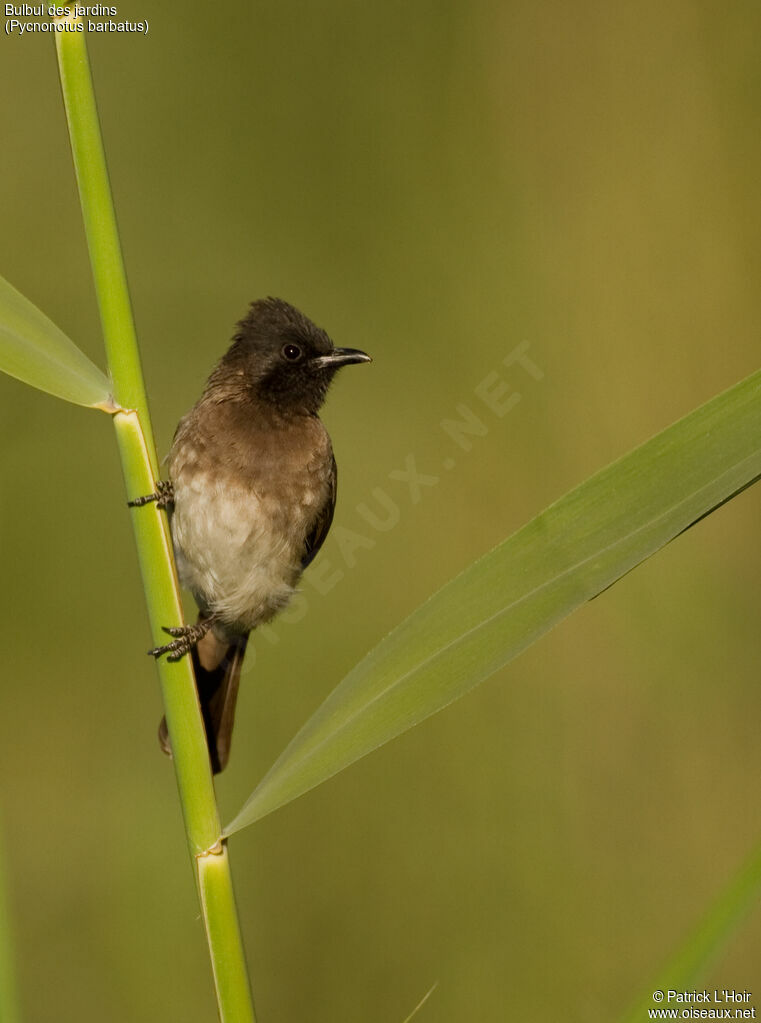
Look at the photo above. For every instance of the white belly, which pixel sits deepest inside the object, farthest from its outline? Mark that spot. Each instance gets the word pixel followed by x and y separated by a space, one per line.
pixel 234 550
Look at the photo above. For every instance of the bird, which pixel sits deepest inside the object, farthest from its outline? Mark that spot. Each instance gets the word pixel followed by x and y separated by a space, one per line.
pixel 250 495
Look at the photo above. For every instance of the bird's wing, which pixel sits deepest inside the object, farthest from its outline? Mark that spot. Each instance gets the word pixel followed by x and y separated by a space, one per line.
pixel 319 528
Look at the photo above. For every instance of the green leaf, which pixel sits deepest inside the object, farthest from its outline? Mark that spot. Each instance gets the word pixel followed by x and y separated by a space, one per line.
pixel 9 1004
pixel 34 350
pixel 510 597
pixel 706 939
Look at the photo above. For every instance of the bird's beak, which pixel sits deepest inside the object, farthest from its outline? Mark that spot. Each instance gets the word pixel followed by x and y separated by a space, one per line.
pixel 340 357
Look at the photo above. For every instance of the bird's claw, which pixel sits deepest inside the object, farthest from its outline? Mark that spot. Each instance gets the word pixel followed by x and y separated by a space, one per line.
pixel 163 496
pixel 186 637
pixel 174 651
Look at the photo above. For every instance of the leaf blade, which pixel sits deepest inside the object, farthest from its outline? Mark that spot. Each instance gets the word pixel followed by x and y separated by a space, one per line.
pixel 720 921
pixel 505 600
pixel 35 350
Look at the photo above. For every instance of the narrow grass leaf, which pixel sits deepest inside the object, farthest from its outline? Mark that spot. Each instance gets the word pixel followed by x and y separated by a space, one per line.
pixel 421 1003
pixel 34 350
pixel 507 599
pixel 706 940
pixel 9 1004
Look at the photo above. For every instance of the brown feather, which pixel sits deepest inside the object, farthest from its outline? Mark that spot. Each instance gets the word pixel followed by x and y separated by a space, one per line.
pixel 217 694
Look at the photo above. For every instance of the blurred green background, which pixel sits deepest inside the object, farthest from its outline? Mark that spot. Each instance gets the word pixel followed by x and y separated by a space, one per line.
pixel 434 183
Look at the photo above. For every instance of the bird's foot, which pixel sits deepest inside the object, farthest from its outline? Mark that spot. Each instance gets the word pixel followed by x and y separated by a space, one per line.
pixel 186 637
pixel 164 496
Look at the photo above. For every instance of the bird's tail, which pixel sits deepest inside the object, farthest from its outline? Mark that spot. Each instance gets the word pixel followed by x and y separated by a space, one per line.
pixel 217 668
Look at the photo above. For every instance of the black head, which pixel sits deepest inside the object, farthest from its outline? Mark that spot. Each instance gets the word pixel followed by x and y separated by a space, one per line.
pixel 283 358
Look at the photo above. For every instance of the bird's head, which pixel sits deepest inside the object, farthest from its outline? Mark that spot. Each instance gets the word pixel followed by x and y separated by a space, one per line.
pixel 282 358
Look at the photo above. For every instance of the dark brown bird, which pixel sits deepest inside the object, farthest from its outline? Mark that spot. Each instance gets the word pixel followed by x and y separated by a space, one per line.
pixel 251 493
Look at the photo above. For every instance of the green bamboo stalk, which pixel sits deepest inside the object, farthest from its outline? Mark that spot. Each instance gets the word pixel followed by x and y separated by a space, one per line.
pixel 140 465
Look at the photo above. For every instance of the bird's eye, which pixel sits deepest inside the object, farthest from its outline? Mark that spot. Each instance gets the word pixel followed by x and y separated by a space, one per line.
pixel 292 353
